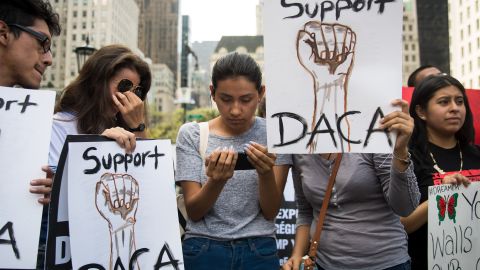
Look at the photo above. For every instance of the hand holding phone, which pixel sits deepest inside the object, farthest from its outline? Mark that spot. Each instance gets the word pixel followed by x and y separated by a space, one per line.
pixel 243 163
pixel 260 158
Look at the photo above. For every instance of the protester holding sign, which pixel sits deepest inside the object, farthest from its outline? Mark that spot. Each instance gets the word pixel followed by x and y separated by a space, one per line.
pixel 106 98
pixel 26 30
pixel 362 228
pixel 442 150
pixel 230 211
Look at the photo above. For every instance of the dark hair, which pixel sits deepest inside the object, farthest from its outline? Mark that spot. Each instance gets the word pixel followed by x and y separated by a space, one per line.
pixel 233 65
pixel 88 96
pixel 25 12
pixel 413 77
pixel 421 96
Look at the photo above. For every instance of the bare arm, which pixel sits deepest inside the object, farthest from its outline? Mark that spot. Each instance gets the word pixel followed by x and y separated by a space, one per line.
pixel 419 217
pixel 270 179
pixel 200 199
pixel 416 219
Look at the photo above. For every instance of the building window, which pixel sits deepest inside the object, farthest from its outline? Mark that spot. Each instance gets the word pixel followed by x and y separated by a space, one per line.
pixel 74 13
pixel 84 13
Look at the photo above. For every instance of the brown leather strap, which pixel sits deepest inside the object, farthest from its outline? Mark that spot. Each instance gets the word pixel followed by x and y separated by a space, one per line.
pixel 312 252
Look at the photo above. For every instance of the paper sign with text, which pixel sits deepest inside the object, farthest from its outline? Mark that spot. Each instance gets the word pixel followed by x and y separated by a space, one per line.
pixel 454 227
pixel 121 208
pixel 332 69
pixel 25 127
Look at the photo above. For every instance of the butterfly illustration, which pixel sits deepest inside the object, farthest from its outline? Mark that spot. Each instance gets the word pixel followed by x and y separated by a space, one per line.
pixel 449 207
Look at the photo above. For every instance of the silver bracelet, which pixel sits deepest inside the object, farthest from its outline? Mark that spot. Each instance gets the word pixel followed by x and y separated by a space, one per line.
pixel 404 160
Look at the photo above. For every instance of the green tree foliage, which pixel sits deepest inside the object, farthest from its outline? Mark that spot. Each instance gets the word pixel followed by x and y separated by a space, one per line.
pixel 166 125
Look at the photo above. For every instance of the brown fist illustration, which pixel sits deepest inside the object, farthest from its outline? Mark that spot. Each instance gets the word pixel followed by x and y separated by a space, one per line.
pixel 116 199
pixel 326 51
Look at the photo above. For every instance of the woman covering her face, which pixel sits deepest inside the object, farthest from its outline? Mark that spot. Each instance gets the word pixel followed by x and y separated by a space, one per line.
pixel 230 211
pixel 106 98
pixel 442 149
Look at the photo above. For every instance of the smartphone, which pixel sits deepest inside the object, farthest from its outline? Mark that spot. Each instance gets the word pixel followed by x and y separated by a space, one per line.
pixel 243 163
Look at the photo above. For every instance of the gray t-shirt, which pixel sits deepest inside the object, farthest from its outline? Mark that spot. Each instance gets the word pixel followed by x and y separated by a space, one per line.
pixel 236 213
pixel 362 228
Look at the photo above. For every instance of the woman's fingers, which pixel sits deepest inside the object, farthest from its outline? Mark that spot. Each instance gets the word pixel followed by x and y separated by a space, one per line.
pixel 221 163
pixel 456 179
pixel 124 138
pixel 259 157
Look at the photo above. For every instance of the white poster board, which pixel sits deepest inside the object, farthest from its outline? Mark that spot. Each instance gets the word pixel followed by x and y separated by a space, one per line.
pixel 454 227
pixel 25 127
pixel 332 69
pixel 122 207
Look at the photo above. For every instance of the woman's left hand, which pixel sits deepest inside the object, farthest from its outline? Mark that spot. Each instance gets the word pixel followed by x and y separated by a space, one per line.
pixel 131 107
pixel 124 138
pixel 456 179
pixel 259 157
pixel 401 122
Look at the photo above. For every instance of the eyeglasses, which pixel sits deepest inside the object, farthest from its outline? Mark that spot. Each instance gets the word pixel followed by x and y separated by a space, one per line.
pixel 41 37
pixel 126 85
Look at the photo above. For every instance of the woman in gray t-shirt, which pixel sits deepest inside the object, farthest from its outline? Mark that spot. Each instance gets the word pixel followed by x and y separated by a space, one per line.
pixel 230 211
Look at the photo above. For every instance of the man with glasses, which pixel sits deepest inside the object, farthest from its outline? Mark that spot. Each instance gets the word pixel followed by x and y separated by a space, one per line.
pixel 26 30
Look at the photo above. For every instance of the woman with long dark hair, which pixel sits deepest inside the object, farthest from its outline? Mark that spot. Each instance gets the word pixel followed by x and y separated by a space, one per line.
pixel 106 98
pixel 442 149
pixel 231 212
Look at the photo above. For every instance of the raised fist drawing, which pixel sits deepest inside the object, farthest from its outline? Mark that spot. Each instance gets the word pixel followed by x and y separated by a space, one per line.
pixel 116 199
pixel 327 51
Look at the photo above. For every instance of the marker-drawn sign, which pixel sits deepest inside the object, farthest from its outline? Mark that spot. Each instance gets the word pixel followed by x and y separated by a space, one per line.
pixel 25 127
pixel 332 69
pixel 454 226
pixel 120 208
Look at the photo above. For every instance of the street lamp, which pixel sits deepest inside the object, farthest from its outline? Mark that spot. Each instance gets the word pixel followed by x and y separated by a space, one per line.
pixel 184 99
pixel 83 53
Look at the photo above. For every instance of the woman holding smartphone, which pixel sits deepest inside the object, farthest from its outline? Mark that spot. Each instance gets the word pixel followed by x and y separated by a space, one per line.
pixel 231 212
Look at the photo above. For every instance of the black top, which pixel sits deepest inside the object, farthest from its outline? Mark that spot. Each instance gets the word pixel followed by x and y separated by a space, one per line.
pixel 449 161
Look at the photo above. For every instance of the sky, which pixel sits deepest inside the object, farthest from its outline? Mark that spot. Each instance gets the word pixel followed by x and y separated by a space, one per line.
pixel 212 19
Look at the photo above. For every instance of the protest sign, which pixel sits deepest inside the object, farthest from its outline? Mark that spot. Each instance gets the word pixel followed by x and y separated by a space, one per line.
pixel 454 227
pixel 285 222
pixel 332 69
pixel 121 211
pixel 25 127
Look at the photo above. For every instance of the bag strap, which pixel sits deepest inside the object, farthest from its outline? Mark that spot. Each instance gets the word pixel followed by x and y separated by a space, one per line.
pixel 312 252
pixel 204 130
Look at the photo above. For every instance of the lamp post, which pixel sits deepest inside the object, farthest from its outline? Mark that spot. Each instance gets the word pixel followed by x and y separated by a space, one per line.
pixel 184 99
pixel 83 53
